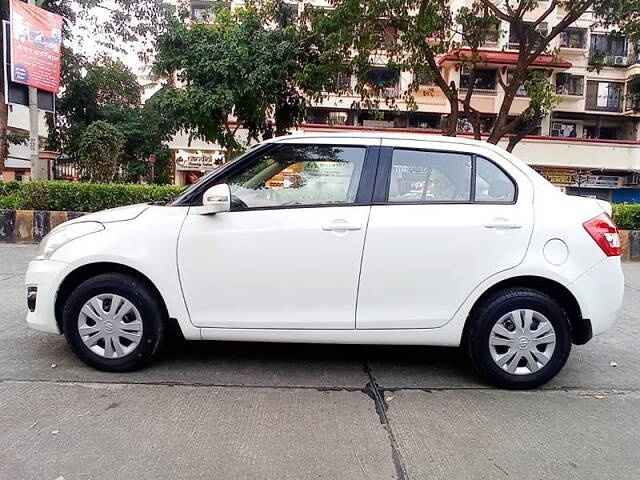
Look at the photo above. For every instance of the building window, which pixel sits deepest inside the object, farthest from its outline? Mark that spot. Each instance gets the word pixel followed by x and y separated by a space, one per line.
pixel 564 129
pixel 491 36
pixel 384 79
pixel 602 133
pixel 604 96
pixel 573 38
pixel 425 120
pixel 567 84
pixel 484 82
pixel 533 35
pixel 344 81
pixel 612 50
pixel 201 10
pixel 424 79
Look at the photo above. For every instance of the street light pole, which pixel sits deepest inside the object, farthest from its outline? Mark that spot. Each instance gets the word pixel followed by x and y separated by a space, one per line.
pixel 39 168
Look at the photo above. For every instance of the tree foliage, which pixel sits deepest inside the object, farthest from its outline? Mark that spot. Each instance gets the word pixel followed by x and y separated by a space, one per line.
pixel 106 90
pixel 99 149
pixel 249 64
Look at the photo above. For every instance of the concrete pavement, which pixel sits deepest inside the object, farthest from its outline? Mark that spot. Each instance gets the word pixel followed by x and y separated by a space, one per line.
pixel 240 410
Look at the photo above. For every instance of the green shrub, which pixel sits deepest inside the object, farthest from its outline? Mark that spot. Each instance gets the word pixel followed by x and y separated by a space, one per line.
pixel 627 216
pixel 79 196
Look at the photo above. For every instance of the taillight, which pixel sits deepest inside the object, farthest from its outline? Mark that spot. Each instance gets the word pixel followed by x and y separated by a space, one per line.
pixel 605 232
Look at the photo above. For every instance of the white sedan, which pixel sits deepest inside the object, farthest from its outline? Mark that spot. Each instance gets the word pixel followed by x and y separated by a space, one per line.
pixel 363 239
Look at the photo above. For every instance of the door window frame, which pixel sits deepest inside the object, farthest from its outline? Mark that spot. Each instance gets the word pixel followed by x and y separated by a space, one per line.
pixel 364 192
pixel 385 163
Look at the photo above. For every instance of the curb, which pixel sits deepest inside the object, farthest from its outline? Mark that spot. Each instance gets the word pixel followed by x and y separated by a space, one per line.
pixel 30 226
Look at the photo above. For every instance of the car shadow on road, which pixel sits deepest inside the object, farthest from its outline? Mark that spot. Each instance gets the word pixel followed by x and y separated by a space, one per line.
pixel 390 366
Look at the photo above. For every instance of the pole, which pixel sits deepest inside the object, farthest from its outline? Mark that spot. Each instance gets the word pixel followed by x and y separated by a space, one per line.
pixel 39 168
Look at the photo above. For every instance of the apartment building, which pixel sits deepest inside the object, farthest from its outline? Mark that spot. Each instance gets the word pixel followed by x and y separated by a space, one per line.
pixel 588 145
pixel 17 164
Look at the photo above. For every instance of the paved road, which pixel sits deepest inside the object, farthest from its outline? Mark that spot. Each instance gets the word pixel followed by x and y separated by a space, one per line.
pixel 238 410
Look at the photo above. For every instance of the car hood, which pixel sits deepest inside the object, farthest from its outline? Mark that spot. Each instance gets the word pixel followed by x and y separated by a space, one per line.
pixel 120 214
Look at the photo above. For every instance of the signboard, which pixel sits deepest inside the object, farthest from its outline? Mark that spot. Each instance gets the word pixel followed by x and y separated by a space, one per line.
pixel 579 178
pixel 18 93
pixel 36 36
pixel 198 161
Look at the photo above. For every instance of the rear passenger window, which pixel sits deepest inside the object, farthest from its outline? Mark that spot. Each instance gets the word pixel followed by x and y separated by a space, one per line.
pixel 421 176
pixel 492 184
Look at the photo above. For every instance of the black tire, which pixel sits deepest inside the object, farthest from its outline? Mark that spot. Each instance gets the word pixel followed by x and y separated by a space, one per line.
pixel 487 315
pixel 144 300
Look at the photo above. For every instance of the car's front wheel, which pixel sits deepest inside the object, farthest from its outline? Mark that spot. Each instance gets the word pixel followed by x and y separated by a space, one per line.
pixel 519 338
pixel 113 322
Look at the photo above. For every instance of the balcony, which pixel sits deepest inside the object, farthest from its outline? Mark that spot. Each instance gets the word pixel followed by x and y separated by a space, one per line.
pixel 604 96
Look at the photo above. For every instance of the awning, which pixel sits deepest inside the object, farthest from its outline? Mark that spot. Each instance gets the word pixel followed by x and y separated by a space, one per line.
pixel 496 57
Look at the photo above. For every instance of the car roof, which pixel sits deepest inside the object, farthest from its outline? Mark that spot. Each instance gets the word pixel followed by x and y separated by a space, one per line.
pixel 389 136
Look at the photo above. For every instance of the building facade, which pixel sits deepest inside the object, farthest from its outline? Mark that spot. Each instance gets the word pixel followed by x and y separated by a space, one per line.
pixel 588 145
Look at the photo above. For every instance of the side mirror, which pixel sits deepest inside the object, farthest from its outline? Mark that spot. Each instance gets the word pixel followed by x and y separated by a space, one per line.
pixel 216 199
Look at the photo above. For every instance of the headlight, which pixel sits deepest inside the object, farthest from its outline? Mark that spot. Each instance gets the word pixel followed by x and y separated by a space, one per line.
pixel 64 234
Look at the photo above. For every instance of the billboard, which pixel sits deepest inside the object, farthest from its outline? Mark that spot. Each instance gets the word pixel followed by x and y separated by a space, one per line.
pixel 36 37
pixel 18 93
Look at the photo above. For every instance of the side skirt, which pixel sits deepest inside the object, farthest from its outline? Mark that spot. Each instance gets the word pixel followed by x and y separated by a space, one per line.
pixel 444 337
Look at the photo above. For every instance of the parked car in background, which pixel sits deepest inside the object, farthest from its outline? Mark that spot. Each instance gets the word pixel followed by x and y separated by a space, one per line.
pixel 360 238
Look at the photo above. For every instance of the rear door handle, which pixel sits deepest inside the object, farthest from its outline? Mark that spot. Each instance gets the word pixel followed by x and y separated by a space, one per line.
pixel 502 225
pixel 340 227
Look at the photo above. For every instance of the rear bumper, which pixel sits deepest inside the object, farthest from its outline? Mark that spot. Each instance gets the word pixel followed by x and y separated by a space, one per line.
pixel 44 277
pixel 599 292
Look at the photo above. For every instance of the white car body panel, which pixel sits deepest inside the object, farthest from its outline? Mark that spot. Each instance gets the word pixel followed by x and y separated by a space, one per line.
pixel 407 277
pixel 264 268
pixel 317 286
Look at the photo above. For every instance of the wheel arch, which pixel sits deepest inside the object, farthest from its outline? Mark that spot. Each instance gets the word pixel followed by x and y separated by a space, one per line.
pixel 580 327
pixel 84 272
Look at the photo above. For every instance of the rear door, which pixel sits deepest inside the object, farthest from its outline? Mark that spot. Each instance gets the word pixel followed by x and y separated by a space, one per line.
pixel 443 220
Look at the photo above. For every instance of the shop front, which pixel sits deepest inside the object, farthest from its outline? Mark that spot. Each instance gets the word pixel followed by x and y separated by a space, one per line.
pixel 604 185
pixel 191 165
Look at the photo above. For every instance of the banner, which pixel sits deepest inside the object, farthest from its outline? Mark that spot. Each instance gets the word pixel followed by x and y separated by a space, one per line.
pixel 36 37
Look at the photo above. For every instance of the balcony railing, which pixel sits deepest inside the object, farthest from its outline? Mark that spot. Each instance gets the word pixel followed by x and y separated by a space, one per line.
pixel 592 104
pixel 612 60
pixel 479 91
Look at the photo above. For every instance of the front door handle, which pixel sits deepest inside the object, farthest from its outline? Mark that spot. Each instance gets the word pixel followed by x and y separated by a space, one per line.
pixel 502 224
pixel 340 227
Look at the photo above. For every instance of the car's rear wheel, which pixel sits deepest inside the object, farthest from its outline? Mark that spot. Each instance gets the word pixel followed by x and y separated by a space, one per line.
pixel 519 338
pixel 113 322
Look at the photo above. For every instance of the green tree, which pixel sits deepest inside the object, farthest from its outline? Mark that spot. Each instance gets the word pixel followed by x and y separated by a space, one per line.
pixel 249 63
pixel 106 90
pixel 99 150
pixel 421 31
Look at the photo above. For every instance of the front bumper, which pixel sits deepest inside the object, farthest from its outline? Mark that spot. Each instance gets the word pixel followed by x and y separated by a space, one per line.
pixel 44 276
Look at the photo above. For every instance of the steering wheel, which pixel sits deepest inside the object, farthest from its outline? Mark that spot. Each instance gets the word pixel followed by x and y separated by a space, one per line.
pixel 237 203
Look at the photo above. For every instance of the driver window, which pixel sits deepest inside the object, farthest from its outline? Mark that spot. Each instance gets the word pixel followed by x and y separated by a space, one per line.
pixel 299 175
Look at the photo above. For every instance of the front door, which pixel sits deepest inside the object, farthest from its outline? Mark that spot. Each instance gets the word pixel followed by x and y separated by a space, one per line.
pixel 442 222
pixel 287 256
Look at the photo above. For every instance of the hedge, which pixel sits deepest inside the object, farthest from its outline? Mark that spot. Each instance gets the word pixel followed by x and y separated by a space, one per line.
pixel 627 216
pixel 80 196
pixel 90 197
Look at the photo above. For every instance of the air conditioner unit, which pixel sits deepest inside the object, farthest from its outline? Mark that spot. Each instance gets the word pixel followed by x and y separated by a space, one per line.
pixel 542 29
pixel 619 60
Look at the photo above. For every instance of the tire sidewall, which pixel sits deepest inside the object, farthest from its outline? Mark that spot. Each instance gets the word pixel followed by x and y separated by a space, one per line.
pixel 496 308
pixel 134 291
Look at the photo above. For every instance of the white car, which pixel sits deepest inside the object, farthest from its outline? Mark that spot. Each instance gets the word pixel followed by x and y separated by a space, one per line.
pixel 359 238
